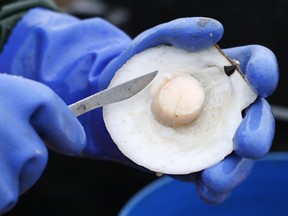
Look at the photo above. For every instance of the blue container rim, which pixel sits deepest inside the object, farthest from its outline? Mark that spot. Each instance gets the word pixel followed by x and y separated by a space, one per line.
pixel 272 156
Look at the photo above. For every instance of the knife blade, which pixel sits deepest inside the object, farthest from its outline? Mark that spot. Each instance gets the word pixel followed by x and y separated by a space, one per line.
pixel 112 95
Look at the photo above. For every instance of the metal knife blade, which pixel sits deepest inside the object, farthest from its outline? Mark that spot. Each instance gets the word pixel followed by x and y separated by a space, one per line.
pixel 112 95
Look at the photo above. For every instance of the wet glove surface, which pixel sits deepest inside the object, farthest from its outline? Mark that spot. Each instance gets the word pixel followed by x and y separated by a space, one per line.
pixel 254 136
pixel 65 54
pixel 32 118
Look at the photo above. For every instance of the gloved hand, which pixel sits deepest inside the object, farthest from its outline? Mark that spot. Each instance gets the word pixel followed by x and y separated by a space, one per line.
pixel 32 116
pixel 254 136
pixel 65 54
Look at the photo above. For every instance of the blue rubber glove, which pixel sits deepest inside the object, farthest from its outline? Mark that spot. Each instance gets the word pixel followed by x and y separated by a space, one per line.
pixel 68 55
pixel 254 136
pixel 32 117
pixel 65 54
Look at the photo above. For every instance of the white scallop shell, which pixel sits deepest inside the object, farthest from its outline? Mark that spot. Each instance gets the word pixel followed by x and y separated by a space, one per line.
pixel 186 149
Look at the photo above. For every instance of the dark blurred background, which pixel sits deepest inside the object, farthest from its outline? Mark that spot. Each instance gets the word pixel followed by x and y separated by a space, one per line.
pixel 71 186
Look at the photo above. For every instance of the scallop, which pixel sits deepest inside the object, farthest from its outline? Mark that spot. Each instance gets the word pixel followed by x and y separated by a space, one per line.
pixel 185 119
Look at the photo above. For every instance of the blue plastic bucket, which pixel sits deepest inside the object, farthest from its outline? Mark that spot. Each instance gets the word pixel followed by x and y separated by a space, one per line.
pixel 265 192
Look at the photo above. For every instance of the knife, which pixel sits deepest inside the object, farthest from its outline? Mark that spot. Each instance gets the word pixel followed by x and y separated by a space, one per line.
pixel 112 95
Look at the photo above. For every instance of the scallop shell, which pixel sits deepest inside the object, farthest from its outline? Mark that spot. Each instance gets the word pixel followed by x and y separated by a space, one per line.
pixel 186 149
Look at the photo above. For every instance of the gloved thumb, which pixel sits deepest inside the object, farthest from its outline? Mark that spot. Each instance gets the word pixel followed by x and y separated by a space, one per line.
pixel 58 126
pixel 47 113
pixel 254 136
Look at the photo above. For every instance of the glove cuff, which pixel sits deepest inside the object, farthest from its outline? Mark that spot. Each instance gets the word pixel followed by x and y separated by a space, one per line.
pixel 12 11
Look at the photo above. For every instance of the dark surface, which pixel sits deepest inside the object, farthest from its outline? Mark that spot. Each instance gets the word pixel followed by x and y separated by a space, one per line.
pixel 73 186
pixel 80 187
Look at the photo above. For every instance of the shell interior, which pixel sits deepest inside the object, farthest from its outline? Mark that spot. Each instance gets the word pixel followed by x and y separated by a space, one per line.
pixel 185 149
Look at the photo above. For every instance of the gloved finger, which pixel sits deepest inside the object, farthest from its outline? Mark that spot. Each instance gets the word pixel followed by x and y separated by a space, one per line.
pixel 260 66
pixel 209 196
pixel 218 181
pixel 57 125
pixel 254 136
pixel 191 34
pixel 46 112
pixel 36 158
pixel 23 159
pixel 9 191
